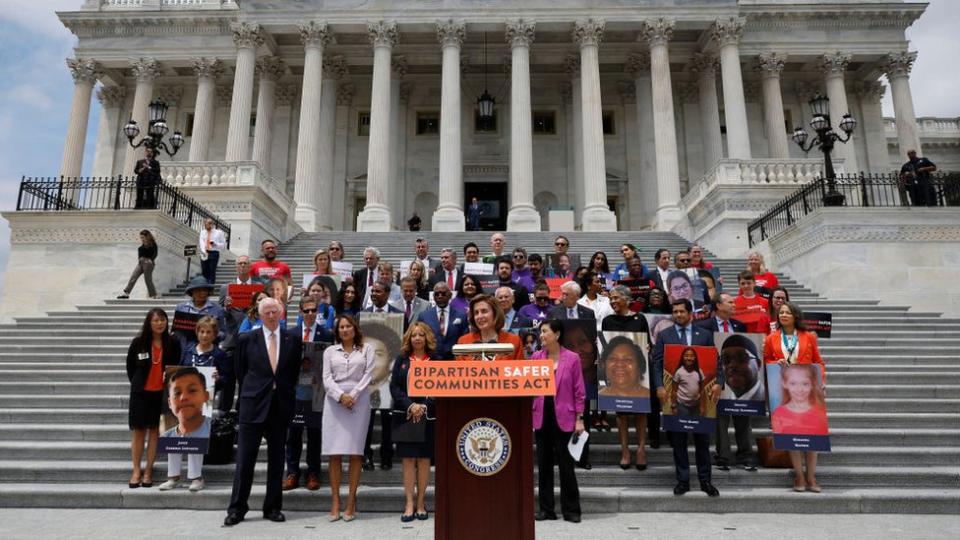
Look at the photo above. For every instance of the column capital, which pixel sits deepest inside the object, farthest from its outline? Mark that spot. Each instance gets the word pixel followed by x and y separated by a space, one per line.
pixel 520 32
pixel 145 69
pixel 571 64
pixel 207 67
pixel 835 63
pixel 728 31
pixel 247 35
pixel 870 91
pixel 406 88
pixel 112 96
pixel 704 64
pixel 271 68
pixel 84 70
pixel 286 94
pixel 588 31
pixel 657 31
pixel 771 64
pixel 451 33
pixel 224 95
pixel 315 34
pixel 898 64
pixel 399 65
pixel 383 33
pixel 171 95
pixel 335 67
pixel 628 92
pixel 345 93
pixel 636 64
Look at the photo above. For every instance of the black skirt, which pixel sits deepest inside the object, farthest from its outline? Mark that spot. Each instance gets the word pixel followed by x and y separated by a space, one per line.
pixel 145 409
pixel 415 449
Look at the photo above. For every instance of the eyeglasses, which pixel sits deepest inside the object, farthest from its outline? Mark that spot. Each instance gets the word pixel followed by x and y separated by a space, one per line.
pixel 683 260
pixel 334 248
pixel 518 256
pixel 314 310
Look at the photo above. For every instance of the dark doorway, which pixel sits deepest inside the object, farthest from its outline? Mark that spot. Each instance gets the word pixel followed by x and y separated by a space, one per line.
pixel 492 197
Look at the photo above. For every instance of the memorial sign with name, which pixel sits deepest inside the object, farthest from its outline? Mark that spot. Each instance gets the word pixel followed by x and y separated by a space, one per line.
pixel 689 379
pixel 185 422
pixel 798 406
pixel 740 374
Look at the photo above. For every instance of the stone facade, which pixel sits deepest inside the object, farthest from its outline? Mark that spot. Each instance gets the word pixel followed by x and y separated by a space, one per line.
pixel 631 107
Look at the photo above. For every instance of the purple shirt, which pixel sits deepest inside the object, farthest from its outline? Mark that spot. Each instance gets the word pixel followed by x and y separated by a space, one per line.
pixel 534 312
pixel 523 277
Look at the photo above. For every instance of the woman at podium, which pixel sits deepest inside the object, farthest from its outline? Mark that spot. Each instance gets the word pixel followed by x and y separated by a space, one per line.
pixel 556 419
pixel 486 325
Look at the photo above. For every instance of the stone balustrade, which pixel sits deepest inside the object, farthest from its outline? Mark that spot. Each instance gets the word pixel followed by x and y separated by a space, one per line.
pixel 191 174
pixel 928 126
pixel 154 5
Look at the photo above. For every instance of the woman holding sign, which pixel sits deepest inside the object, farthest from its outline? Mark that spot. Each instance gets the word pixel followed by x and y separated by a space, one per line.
pixel 792 344
pixel 150 352
pixel 557 419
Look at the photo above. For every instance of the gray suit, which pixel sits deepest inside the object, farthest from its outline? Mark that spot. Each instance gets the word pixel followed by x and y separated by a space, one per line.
pixel 417 306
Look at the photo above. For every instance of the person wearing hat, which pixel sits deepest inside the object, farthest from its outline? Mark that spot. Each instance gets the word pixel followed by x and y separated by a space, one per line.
pixel 739 376
pixel 200 303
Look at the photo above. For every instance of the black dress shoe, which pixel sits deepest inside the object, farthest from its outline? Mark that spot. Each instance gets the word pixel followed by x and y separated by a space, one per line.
pixel 368 464
pixel 386 465
pixel 749 467
pixel 723 467
pixel 624 466
pixel 654 443
pixel 709 489
pixel 586 466
pixel 232 519
pixel 543 516
pixel 572 518
pixel 681 488
pixel 641 466
pixel 276 516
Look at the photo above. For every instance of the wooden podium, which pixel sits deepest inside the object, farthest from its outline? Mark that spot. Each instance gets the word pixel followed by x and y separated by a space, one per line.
pixel 469 506
pixel 484 443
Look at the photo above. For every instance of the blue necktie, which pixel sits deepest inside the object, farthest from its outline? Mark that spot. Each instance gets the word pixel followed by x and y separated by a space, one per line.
pixel 683 335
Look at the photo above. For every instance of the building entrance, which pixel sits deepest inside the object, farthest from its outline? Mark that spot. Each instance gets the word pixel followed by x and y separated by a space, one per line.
pixel 492 197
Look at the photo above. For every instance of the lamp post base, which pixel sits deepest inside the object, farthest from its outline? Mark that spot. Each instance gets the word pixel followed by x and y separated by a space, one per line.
pixel 833 198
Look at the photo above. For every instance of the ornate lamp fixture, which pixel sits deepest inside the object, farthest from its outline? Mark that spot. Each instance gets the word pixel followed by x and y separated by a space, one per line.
pixel 486 102
pixel 825 139
pixel 155 132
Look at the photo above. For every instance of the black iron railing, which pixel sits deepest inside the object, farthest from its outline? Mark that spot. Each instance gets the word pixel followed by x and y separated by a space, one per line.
pixel 112 193
pixel 861 191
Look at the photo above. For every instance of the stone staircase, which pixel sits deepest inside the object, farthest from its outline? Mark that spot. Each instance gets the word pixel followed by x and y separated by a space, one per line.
pixel 894 401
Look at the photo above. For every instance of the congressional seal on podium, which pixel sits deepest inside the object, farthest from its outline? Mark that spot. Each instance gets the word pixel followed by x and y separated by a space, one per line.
pixel 484 446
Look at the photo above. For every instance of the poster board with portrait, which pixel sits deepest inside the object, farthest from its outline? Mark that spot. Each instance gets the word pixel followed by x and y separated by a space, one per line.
pixel 657 322
pixel 530 337
pixel 384 333
pixel 624 372
pixel 580 336
pixel 798 406
pixel 690 381
pixel 309 392
pixel 557 263
pixel 639 292
pixel 740 374
pixel 187 411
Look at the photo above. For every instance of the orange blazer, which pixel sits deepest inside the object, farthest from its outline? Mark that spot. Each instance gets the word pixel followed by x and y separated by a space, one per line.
pixel 809 353
pixel 502 337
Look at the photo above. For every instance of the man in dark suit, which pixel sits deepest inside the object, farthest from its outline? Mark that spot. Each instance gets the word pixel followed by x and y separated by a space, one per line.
pixel 447 323
pixel 267 367
pixel 682 332
pixel 309 331
pixel 148 179
pixel 448 272
pixel 569 308
pixel 723 321
pixel 379 296
pixel 363 278
pixel 658 274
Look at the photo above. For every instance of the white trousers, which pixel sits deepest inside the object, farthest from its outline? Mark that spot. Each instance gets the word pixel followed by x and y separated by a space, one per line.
pixel 194 465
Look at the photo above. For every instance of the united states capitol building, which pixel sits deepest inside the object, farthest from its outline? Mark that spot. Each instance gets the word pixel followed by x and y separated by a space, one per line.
pixel 614 114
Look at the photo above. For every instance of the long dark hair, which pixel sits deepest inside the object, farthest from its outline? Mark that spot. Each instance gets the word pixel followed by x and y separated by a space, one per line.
pixel 151 241
pixel 145 337
pixel 340 307
pixel 605 268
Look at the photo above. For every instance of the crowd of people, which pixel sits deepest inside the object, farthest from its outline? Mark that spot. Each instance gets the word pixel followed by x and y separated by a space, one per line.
pixel 260 355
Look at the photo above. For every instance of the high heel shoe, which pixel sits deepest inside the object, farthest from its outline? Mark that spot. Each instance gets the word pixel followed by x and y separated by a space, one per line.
pixel 625 466
pixel 641 466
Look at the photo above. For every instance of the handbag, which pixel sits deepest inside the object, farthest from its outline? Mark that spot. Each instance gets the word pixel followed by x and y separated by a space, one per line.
pixel 770 457
pixel 407 431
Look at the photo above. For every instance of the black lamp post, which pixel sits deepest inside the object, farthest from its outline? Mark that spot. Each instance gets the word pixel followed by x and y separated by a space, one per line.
pixel 158 128
pixel 825 139
pixel 486 102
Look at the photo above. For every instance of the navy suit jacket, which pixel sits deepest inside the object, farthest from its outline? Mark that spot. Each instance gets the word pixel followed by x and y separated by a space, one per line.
pixel 454 330
pixel 388 309
pixel 711 325
pixel 669 336
pixel 560 312
pixel 257 379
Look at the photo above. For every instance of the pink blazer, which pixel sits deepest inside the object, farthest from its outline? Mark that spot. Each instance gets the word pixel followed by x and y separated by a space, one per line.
pixel 569 399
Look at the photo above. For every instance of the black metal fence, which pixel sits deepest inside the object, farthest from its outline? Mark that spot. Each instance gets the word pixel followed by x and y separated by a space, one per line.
pixel 112 193
pixel 861 191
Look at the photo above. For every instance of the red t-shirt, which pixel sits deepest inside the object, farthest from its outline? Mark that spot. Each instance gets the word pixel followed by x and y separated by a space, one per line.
pixel 766 280
pixel 265 270
pixel 753 312
pixel 812 422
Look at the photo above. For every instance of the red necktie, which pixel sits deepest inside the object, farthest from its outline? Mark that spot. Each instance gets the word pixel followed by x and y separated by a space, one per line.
pixel 306 334
pixel 726 326
pixel 450 279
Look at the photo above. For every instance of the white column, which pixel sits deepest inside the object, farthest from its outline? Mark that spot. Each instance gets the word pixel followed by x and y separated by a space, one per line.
pixel 596 215
pixel 523 215
pixel 658 32
pixel 315 36
pixel 705 65
pixel 572 66
pixel 897 67
pixel 207 70
pixel 727 33
pixel 112 99
pixel 834 66
pixel 247 38
pixel 146 71
pixel 771 66
pixel 449 213
pixel 345 124
pixel 85 74
pixel 395 192
pixel 638 66
pixel 285 97
pixel 270 69
pixel 334 68
pixel 871 124
pixel 376 214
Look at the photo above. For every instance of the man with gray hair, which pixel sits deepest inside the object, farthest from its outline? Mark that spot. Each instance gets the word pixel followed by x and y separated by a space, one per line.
pixel 569 308
pixel 364 278
pixel 448 272
pixel 497 243
pixel 504 297
pixel 447 322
